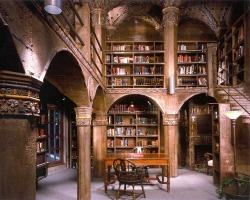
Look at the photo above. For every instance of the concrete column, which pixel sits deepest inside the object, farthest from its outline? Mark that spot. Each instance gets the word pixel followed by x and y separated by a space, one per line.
pixel 99 143
pixel 19 110
pixel 83 122
pixel 170 23
pixel 84 30
pixel 170 122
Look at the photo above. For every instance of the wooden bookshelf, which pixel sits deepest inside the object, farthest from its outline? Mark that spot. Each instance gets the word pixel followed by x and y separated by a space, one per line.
pixel 222 144
pixel 231 54
pixel 130 125
pixel 41 163
pixel 192 64
pixel 200 138
pixel 134 64
pixel 73 145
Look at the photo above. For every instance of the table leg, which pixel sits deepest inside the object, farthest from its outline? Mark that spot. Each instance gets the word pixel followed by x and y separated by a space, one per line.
pixel 168 178
pixel 163 174
pixel 106 178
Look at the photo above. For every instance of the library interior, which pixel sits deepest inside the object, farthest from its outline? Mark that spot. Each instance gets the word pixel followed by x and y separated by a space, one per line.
pixel 159 83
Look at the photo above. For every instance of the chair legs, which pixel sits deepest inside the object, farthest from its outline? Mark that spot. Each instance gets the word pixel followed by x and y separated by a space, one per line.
pixel 134 194
pixel 118 192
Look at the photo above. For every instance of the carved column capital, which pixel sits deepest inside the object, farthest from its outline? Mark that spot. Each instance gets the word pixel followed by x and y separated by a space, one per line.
pixel 83 116
pixel 170 119
pixel 170 15
pixel 100 119
pixel 99 17
pixel 19 94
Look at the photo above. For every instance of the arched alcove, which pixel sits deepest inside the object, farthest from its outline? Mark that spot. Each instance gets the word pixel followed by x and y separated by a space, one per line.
pixel 195 127
pixel 65 74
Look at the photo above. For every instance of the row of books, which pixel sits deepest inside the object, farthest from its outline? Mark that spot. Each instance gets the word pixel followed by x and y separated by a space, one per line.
pixel 40 132
pixel 186 58
pixel 148 70
pixel 204 139
pixel 142 47
pixel 120 71
pixel 183 47
pixel 192 69
pixel 120 108
pixel 137 70
pixel 145 143
pixel 136 47
pixel 148 81
pixel 40 146
pixel 239 52
pixel 120 82
pixel 141 59
pixel 241 34
pixel 146 120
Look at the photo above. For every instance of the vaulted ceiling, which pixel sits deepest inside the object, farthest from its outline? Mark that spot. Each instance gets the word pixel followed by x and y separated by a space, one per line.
pixel 212 13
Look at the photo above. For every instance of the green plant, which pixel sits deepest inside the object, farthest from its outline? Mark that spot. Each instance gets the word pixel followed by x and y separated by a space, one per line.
pixel 242 180
pixel 225 183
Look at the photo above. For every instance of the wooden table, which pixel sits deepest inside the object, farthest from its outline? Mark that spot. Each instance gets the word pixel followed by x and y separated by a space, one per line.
pixel 144 159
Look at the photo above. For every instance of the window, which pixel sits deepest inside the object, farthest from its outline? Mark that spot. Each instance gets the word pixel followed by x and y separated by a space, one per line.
pixel 55 136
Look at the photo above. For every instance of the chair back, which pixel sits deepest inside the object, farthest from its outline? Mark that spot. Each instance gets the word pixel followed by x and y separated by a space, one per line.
pixel 127 172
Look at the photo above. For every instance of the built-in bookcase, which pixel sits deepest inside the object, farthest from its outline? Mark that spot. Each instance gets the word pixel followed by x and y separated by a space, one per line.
pixel 231 54
pixel 192 64
pixel 41 163
pixel 221 141
pixel 130 125
pixel 134 64
pixel 73 144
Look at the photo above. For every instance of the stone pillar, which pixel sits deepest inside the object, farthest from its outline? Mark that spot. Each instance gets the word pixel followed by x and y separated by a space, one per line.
pixel 19 110
pixel 170 122
pixel 83 122
pixel 212 67
pixel 84 30
pixel 99 143
pixel 99 17
pixel 170 22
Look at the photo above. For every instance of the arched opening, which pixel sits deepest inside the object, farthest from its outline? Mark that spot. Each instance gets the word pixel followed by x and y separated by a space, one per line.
pixel 134 120
pixel 195 131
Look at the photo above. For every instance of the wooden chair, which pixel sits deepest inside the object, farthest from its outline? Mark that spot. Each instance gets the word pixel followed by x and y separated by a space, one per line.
pixel 128 174
pixel 139 149
pixel 208 162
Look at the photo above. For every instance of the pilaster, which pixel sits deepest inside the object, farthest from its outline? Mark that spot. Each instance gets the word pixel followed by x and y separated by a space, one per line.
pixel 170 123
pixel 83 122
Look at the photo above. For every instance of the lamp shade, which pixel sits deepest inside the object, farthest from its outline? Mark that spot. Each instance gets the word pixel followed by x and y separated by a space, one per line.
pixel 53 7
pixel 233 114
